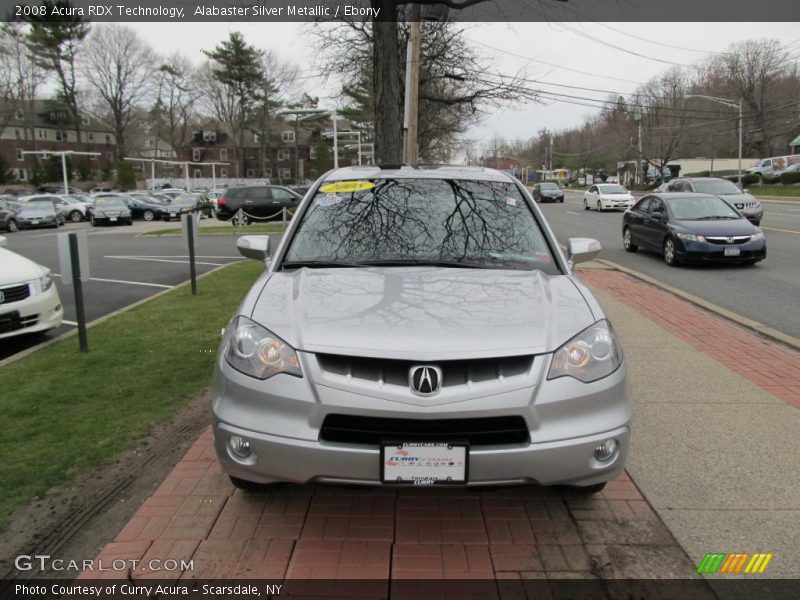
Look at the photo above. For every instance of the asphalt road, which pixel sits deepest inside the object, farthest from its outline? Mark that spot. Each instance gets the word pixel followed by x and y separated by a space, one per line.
pixel 768 292
pixel 124 269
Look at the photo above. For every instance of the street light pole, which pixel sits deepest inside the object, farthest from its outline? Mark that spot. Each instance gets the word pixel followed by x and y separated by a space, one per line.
pixel 731 104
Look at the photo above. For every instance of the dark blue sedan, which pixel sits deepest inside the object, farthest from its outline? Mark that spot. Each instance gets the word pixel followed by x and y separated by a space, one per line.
pixel 686 227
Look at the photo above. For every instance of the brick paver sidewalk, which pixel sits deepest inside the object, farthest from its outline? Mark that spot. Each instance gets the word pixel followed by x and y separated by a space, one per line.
pixel 331 532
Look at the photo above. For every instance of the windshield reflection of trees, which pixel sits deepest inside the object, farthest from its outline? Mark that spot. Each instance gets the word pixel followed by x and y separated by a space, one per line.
pixel 422 220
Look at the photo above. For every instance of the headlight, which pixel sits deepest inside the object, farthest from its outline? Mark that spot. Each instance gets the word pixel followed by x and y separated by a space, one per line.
pixel 690 237
pixel 591 355
pixel 757 236
pixel 257 352
pixel 46 282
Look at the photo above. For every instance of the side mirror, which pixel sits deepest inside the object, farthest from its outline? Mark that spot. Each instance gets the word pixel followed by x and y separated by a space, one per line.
pixel 746 191
pixel 582 249
pixel 254 246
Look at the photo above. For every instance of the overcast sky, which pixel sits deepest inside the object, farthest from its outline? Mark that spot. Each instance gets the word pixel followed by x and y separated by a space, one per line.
pixel 564 46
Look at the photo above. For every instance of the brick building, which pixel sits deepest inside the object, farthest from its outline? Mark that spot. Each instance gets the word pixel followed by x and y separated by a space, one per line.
pixel 49 127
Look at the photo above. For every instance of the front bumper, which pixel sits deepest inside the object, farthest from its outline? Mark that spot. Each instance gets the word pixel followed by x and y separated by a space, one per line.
pixel 37 313
pixel 707 252
pixel 613 204
pixel 281 419
pixel 29 224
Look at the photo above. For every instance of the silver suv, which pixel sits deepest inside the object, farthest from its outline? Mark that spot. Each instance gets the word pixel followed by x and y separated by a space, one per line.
pixel 422 327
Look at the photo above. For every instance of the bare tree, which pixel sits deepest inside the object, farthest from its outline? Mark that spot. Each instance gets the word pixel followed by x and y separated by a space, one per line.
pixel 119 67
pixel 21 78
pixel 176 99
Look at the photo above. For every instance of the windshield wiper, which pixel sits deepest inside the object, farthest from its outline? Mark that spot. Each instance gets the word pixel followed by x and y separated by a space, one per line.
pixel 428 262
pixel 320 264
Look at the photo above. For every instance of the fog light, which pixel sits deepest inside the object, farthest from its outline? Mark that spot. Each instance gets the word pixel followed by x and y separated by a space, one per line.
pixel 239 446
pixel 606 451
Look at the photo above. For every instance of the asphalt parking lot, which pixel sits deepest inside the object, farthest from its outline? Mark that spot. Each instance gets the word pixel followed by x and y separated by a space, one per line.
pixel 126 267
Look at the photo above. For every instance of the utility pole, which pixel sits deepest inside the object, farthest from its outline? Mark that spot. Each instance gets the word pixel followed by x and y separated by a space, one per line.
pixel 412 88
pixel 638 118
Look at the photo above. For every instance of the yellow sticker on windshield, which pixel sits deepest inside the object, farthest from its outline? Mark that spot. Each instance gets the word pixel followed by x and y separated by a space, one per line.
pixel 346 186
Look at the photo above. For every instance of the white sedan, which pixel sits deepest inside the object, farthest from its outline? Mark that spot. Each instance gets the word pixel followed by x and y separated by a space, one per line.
pixel 607 196
pixel 29 301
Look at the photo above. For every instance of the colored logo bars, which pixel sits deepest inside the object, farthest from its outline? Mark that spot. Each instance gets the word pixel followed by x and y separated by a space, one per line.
pixel 737 562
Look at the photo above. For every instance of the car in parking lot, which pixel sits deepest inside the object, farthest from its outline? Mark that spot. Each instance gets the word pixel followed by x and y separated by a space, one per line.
pixel 29 301
pixel 547 192
pixel 257 202
pixel 8 214
pixel 607 196
pixel 189 203
pixel 111 210
pixel 421 327
pixel 39 211
pixel 741 200
pixel 146 208
pixel 691 227
pixel 74 210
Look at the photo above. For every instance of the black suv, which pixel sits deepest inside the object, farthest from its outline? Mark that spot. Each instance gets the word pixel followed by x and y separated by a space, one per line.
pixel 257 202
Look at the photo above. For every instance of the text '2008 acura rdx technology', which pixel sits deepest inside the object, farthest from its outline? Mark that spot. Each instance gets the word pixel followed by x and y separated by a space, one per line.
pixel 420 326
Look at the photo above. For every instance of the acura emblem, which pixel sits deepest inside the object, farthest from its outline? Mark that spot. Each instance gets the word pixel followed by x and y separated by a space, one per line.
pixel 730 240
pixel 425 380
pixel 2 297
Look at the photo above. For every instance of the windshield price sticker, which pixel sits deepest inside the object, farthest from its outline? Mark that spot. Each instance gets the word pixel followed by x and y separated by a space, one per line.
pixel 340 187
pixel 328 200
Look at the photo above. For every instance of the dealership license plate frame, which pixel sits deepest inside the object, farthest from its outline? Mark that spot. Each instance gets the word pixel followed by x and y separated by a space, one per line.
pixel 732 251
pixel 415 444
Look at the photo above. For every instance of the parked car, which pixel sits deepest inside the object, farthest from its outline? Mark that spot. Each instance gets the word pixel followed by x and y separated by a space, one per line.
pixel 396 338
pixel 111 210
pixel 38 211
pixel 189 203
pixel 29 301
pixel 146 208
pixel 691 227
pixel 741 200
pixel 301 190
pixel 8 215
pixel 74 210
pixel 769 166
pixel 547 192
pixel 605 196
pixel 171 193
pixel 257 202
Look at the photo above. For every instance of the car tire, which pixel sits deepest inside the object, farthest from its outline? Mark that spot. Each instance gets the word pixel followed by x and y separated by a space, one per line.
pixel 627 240
pixel 148 215
pixel 248 486
pixel 585 204
pixel 757 223
pixel 12 226
pixel 562 200
pixel 599 206
pixel 129 222
pixel 591 489
pixel 76 216
pixel 93 222
pixel 670 254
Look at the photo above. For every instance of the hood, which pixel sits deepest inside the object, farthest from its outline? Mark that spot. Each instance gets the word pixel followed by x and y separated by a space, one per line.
pixel 422 313
pixel 722 227
pixel 620 195
pixel 738 198
pixel 35 213
pixel 17 269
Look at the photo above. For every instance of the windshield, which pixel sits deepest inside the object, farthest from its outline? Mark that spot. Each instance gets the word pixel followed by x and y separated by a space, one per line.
pixel 109 202
pixel 612 189
pixel 716 186
pixel 548 186
pixel 700 208
pixel 420 221
pixel 38 205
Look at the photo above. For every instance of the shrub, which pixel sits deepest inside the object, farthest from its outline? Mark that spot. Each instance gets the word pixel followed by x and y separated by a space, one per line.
pixel 790 177
pixel 748 179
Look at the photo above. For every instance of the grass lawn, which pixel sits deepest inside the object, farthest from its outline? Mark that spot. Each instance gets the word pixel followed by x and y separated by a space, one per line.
pixel 65 412
pixel 226 230
pixel 790 192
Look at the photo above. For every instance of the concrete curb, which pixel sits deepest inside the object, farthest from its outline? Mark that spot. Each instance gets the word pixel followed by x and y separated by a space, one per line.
pixel 756 326
pixel 74 331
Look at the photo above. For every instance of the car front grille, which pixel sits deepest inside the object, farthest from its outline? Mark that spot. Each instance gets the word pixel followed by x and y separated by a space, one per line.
pixel 741 205
pixel 486 431
pixel 14 293
pixel 727 241
pixel 396 372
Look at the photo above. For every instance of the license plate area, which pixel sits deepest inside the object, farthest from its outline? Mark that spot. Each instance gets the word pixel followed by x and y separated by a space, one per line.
pixel 424 463
pixel 732 251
